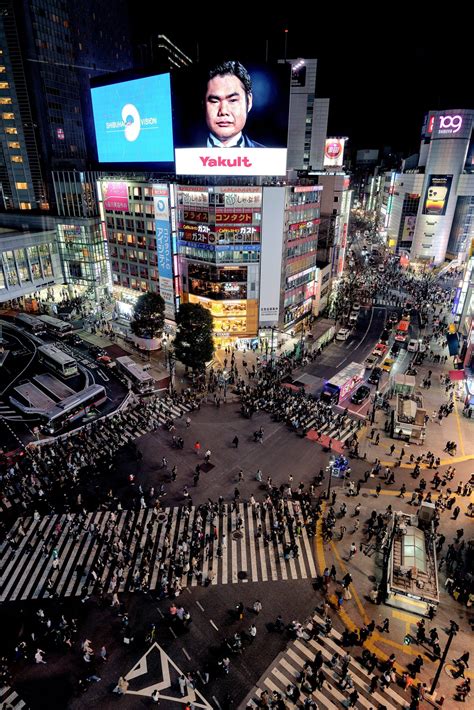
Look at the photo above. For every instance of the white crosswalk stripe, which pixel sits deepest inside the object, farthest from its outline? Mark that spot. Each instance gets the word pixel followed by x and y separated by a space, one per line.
pixel 27 571
pixel 289 666
pixel 10 698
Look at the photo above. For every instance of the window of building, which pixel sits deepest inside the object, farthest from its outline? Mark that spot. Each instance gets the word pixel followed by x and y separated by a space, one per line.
pixel 11 130
pixel 4 85
pixel 2 69
pixel 14 144
pixel 8 116
pixel 21 185
pixel 25 205
pixel 16 159
pixel 131 239
pixel 5 100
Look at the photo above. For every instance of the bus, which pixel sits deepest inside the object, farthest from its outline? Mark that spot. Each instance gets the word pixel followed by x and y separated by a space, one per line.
pixel 57 360
pixel 140 380
pixel 56 327
pixel 342 384
pixel 74 407
pixel 30 323
pixel 402 331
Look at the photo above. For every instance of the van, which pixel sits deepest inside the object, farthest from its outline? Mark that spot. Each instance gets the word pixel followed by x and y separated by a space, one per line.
pixel 343 334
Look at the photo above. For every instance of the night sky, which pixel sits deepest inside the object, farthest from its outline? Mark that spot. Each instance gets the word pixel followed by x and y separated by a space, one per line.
pixel 382 71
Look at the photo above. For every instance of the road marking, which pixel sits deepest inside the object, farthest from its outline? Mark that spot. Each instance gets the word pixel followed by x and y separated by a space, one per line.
pixel 200 606
pixel 186 654
pixel 409 618
pixel 216 702
pixel 458 422
pixel 213 624
pixel 188 590
pixel 354 592
pixel 172 631
pixel 160 612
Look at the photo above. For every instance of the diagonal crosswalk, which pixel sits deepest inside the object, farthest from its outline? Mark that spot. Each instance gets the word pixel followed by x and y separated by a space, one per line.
pixel 9 698
pixel 289 666
pixel 137 423
pixel 125 550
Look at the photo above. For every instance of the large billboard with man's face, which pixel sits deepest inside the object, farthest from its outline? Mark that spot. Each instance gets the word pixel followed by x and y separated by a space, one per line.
pixel 133 121
pixel 231 119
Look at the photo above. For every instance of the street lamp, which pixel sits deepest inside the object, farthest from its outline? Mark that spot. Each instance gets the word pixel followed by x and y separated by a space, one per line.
pixel 374 407
pixel 329 469
pixel 452 633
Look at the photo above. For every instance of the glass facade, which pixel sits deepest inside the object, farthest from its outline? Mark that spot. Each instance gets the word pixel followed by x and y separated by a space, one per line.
pixel 83 254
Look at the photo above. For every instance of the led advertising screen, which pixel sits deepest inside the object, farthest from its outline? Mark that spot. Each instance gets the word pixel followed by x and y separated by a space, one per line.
pixel 437 194
pixel 231 119
pixel 334 152
pixel 133 121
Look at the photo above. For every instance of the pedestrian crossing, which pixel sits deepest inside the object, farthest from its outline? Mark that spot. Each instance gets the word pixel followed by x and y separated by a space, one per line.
pixel 9 698
pixel 152 541
pixel 138 422
pixel 291 663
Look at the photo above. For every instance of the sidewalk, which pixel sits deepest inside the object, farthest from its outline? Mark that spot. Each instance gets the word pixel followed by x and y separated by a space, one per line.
pixel 455 427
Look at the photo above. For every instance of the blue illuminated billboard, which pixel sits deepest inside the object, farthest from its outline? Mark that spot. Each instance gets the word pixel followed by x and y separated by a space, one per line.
pixel 133 121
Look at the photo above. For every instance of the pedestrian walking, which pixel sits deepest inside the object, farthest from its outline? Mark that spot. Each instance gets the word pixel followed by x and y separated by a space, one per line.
pixel 385 626
pixel 235 442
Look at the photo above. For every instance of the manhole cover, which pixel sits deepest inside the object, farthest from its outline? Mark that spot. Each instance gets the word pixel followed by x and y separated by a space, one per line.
pixel 161 518
pixel 365 495
pixel 237 535
pixel 242 575
pixel 372 578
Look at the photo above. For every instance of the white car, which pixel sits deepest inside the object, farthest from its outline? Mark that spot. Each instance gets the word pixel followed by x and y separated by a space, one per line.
pixel 413 346
pixel 343 334
pixel 370 362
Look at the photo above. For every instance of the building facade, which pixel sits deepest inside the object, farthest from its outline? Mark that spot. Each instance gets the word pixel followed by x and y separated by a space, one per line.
pixel 428 211
pixel 248 254
pixel 51 49
pixel 29 263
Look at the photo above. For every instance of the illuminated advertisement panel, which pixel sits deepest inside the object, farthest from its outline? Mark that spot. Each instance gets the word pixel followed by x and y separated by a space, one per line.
pixel 437 194
pixel 334 152
pixel 231 119
pixel 115 196
pixel 133 121
pixel 163 248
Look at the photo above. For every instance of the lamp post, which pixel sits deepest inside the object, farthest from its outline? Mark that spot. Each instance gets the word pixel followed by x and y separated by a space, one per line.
pixel 329 469
pixel 452 633
pixel 374 407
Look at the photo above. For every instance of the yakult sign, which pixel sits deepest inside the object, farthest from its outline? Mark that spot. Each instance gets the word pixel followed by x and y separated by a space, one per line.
pixel 231 161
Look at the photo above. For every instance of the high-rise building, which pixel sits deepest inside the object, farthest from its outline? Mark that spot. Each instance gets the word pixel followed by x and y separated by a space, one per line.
pixel 308 118
pixel 428 210
pixel 162 54
pixel 50 49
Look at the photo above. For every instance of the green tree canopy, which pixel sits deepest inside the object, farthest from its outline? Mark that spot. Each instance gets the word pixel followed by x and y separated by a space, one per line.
pixel 148 316
pixel 193 345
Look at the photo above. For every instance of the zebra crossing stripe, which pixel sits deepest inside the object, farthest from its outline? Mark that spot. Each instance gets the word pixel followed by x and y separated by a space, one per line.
pixel 25 572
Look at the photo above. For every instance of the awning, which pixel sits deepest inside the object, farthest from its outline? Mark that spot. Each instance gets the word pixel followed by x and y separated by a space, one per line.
pixel 457 375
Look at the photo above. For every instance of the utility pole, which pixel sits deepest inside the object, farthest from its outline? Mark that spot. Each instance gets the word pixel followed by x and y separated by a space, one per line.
pixel 452 633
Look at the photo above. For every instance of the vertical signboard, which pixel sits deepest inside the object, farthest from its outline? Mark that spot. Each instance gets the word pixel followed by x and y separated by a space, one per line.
pixel 273 214
pixel 163 248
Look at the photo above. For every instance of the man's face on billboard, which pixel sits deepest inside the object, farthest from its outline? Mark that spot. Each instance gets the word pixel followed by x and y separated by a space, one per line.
pixel 227 106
